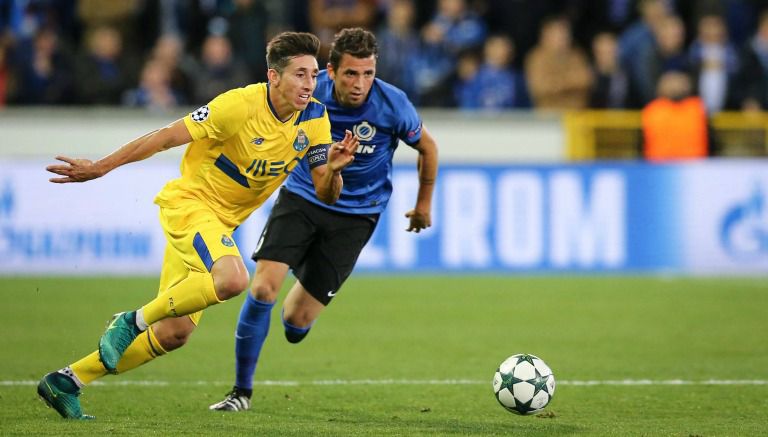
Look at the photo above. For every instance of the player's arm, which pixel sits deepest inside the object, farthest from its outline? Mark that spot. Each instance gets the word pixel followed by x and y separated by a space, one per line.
pixel 81 170
pixel 421 216
pixel 327 177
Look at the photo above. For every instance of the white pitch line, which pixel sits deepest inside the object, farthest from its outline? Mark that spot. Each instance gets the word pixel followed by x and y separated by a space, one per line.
pixel 288 383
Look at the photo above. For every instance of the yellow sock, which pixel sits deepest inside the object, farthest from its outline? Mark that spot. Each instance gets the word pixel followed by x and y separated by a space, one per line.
pixel 194 293
pixel 144 348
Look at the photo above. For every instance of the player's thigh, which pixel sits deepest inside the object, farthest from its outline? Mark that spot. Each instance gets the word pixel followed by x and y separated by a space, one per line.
pixel 300 308
pixel 331 258
pixel 197 239
pixel 197 235
pixel 289 231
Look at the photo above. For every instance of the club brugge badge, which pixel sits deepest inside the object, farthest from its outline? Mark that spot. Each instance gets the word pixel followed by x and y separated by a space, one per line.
pixel 225 240
pixel 301 142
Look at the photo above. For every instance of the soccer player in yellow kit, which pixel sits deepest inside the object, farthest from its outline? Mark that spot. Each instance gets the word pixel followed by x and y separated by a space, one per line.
pixel 242 145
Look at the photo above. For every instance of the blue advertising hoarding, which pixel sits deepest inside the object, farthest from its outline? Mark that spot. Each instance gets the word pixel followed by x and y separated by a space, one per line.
pixel 705 217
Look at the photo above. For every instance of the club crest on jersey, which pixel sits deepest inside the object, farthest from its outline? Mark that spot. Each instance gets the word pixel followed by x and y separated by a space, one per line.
pixel 200 114
pixel 301 142
pixel 225 240
pixel 364 131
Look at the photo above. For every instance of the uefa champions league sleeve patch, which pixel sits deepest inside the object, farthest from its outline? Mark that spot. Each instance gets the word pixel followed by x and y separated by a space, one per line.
pixel 200 114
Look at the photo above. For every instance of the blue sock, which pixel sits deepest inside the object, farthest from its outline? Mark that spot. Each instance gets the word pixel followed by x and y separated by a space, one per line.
pixel 252 330
pixel 294 334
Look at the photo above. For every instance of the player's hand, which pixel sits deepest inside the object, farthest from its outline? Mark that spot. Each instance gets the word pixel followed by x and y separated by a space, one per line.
pixel 342 153
pixel 75 170
pixel 419 220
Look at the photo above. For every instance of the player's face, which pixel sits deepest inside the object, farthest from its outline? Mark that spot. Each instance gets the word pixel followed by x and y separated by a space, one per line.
pixel 291 90
pixel 353 79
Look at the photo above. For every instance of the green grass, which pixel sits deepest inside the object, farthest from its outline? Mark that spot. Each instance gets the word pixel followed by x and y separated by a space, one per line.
pixel 415 329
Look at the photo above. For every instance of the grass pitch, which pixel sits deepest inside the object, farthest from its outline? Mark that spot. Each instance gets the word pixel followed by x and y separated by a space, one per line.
pixel 415 356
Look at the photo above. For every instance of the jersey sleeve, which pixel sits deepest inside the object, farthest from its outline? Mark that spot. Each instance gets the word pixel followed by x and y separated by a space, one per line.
pixel 321 131
pixel 221 118
pixel 408 126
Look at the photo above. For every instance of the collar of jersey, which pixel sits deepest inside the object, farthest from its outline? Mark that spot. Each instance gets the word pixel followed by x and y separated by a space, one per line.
pixel 274 112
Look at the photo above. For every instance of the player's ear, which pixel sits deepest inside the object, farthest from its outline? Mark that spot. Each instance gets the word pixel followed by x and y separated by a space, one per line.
pixel 273 76
pixel 331 73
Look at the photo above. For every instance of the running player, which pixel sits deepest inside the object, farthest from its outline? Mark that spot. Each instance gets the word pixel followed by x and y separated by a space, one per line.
pixel 321 242
pixel 242 145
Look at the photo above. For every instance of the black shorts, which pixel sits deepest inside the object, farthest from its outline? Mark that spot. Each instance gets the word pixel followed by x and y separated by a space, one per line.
pixel 321 246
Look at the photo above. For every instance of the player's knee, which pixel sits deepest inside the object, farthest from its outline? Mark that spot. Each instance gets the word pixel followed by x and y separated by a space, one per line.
pixel 264 291
pixel 299 319
pixel 231 285
pixel 173 339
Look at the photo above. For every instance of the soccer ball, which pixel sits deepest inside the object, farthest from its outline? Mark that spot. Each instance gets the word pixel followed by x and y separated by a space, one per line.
pixel 523 384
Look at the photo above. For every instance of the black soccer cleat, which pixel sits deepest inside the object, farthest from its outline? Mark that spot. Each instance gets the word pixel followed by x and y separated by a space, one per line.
pixel 236 400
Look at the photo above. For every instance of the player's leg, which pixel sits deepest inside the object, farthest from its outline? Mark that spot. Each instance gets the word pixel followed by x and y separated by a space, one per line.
pixel 300 310
pixel 251 332
pixel 60 389
pixel 328 262
pixel 286 236
pixel 212 259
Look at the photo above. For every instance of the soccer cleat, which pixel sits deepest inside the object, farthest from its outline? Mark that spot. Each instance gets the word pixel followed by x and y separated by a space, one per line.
pixel 235 400
pixel 60 393
pixel 120 333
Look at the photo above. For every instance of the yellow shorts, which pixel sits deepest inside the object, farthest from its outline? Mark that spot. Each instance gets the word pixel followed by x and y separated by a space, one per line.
pixel 196 239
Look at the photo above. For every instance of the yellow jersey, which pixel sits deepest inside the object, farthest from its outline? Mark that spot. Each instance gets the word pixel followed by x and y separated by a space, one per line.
pixel 241 152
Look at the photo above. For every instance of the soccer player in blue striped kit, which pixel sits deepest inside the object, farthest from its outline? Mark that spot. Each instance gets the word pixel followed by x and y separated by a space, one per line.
pixel 320 242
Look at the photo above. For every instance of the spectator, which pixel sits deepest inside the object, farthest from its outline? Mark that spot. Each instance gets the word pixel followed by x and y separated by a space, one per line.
pixel 610 88
pixel 104 71
pixel 327 17
pixel 218 71
pixel 5 70
pixel 398 43
pixel 637 38
pixel 675 123
pixel 169 50
pixel 453 29
pixel 667 54
pixel 714 63
pixel 521 20
pixel 248 33
pixel 44 72
pixel 495 84
pixel 753 78
pixel 558 73
pixel 154 91
pixel 640 34
pixel 119 16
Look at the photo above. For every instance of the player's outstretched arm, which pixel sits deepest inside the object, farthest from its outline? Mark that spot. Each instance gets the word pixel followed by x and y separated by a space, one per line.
pixel 81 170
pixel 421 216
pixel 327 178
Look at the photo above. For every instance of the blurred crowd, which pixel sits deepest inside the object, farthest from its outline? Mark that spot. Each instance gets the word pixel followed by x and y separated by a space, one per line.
pixel 470 54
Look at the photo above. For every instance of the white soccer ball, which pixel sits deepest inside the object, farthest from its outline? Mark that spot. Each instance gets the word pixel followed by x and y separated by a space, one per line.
pixel 523 384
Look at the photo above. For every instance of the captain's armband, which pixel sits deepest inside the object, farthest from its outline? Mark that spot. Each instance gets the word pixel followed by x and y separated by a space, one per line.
pixel 318 155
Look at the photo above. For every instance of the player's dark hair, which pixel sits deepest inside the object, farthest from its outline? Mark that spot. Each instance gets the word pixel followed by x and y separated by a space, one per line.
pixel 287 45
pixel 355 41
